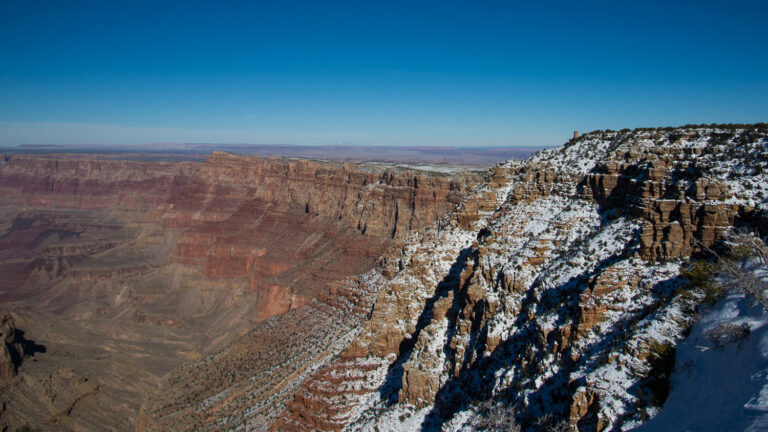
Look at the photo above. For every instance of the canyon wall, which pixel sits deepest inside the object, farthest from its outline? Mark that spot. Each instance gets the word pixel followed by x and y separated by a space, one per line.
pixel 553 287
pixel 114 257
pixel 281 228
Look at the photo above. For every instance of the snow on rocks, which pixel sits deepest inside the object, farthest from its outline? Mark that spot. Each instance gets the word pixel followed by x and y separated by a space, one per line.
pixel 555 286
pixel 720 384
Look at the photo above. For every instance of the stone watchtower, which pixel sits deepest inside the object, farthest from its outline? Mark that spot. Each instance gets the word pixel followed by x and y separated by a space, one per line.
pixel 575 134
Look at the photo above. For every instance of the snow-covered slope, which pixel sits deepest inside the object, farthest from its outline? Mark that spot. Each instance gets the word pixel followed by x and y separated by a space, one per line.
pixel 554 287
pixel 721 383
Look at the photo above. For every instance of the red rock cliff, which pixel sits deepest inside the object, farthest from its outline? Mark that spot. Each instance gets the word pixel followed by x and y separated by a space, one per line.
pixel 283 228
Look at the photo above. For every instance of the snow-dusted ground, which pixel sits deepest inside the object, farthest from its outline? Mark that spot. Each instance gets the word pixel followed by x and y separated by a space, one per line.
pixel 720 388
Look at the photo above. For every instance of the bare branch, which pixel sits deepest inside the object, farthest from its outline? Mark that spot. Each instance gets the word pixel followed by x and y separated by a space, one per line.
pixel 743 246
pixel 497 417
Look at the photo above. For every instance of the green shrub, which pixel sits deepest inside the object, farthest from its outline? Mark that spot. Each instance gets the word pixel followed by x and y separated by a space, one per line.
pixel 700 275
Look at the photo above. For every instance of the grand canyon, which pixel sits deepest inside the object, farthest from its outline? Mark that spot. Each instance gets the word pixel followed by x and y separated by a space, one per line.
pixel 383 216
pixel 249 293
pixel 113 263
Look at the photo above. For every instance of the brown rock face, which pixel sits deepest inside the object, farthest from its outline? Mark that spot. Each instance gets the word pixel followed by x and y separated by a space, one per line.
pixel 545 288
pixel 674 198
pixel 256 221
pixel 14 347
pixel 11 350
pixel 191 254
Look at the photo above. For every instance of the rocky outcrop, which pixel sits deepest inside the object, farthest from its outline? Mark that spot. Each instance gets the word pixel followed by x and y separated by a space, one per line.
pixel 10 349
pixel 554 287
pixel 14 348
pixel 674 198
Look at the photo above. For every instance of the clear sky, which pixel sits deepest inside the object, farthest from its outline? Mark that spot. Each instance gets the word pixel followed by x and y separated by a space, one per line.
pixel 465 73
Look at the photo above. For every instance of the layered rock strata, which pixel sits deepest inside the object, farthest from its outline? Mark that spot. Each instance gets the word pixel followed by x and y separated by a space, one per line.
pixel 284 228
pixel 554 287
pixel 182 257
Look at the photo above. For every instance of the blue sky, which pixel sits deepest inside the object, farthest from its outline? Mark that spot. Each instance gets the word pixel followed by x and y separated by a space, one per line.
pixel 480 73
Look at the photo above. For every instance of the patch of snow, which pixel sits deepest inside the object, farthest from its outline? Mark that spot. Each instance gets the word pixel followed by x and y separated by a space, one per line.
pixel 724 387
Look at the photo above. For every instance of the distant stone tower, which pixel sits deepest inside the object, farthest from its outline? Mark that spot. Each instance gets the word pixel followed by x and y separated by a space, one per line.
pixel 575 134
